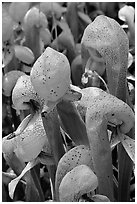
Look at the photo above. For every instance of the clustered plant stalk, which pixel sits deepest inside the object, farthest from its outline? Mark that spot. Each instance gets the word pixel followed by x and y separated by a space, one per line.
pixel 69 103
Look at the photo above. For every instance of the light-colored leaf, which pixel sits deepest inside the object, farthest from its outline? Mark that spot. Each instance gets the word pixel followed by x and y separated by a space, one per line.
pixel 130 59
pixel 100 198
pixel 84 17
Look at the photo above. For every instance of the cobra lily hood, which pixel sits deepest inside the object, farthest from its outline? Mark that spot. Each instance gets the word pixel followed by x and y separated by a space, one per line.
pixel 74 157
pixel 106 41
pixel 51 78
pixel 23 92
pixel 76 183
pixel 102 104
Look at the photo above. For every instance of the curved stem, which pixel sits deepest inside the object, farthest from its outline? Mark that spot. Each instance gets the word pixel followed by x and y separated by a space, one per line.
pixel 36 177
pixel 102 159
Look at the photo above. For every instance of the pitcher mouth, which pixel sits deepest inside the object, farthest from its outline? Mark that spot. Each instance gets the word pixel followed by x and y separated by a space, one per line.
pixel 34 111
pixel 35 106
pixel 32 104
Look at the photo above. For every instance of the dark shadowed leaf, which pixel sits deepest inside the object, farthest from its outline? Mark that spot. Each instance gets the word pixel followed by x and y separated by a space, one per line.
pixel 72 19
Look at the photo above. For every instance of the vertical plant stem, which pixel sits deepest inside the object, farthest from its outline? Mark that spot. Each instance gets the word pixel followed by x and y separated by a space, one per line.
pixel 73 20
pixel 115 184
pixel 31 192
pixel 102 159
pixel 52 173
pixel 37 182
pixel 52 128
pixel 72 122
pixel 4 193
pixel 125 172
pixel 125 165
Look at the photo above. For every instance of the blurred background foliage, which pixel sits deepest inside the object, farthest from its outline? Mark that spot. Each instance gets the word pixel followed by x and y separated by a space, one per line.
pixel 66 22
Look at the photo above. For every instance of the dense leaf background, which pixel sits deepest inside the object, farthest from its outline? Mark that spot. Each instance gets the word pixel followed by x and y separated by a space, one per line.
pixel 64 36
